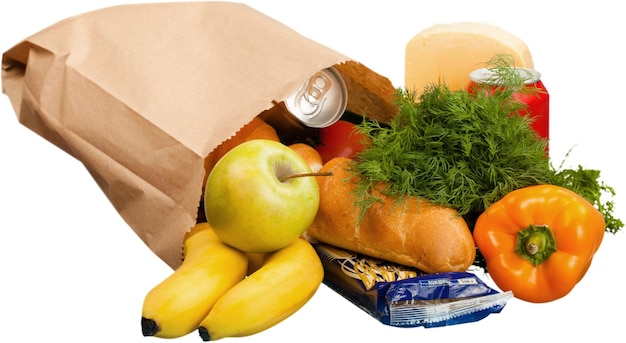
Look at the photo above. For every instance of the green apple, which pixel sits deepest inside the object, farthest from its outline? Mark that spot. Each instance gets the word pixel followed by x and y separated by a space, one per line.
pixel 260 196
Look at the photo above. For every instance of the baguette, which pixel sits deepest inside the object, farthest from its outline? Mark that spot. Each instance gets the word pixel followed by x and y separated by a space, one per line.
pixel 416 233
pixel 369 94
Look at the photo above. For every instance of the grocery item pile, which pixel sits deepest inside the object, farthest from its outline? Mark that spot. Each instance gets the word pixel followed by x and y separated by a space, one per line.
pixel 393 200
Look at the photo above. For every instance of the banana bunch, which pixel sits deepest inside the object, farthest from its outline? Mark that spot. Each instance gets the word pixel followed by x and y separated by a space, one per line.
pixel 223 292
pixel 286 280
pixel 176 306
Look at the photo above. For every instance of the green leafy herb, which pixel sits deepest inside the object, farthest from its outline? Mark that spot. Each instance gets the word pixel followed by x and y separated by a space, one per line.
pixel 465 151
pixel 587 183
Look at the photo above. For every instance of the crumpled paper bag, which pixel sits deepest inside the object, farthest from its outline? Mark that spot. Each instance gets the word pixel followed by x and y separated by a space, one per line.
pixel 141 93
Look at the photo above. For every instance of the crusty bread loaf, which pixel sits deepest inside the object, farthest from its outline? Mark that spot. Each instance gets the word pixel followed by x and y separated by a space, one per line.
pixel 415 233
pixel 369 94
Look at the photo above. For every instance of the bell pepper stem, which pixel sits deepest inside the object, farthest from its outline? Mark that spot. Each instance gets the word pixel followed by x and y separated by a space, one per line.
pixel 535 243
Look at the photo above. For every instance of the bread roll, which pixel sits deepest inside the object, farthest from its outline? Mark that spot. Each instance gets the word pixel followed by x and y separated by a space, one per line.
pixel 414 233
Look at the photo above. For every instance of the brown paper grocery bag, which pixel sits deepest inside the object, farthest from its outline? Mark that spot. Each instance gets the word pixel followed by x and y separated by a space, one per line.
pixel 140 94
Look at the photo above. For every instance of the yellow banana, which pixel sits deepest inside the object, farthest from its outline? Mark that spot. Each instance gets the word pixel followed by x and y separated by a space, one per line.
pixel 285 282
pixel 176 306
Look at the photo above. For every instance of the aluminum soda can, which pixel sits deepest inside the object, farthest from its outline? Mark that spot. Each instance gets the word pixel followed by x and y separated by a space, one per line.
pixel 537 102
pixel 319 103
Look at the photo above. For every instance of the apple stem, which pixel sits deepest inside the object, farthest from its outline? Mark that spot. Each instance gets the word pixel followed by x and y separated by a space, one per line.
pixel 293 176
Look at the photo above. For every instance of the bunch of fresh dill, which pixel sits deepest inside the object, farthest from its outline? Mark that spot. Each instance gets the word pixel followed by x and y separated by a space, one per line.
pixel 465 151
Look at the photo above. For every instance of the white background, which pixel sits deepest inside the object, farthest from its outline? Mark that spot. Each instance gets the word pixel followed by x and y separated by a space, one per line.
pixel 72 269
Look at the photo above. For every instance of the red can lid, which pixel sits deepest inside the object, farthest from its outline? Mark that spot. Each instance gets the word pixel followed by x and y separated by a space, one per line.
pixel 490 76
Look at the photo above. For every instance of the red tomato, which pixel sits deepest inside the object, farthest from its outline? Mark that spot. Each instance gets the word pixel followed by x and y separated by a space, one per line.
pixel 341 139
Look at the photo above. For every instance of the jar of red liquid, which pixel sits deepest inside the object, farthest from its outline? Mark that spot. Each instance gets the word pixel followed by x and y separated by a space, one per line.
pixel 537 100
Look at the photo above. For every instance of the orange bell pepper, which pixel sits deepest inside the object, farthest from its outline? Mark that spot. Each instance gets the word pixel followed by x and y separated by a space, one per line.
pixel 538 241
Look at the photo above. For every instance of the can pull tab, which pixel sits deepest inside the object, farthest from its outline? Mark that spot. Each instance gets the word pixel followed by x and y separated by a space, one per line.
pixel 310 99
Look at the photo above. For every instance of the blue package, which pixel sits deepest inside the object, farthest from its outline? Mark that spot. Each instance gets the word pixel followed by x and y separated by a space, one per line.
pixel 401 296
